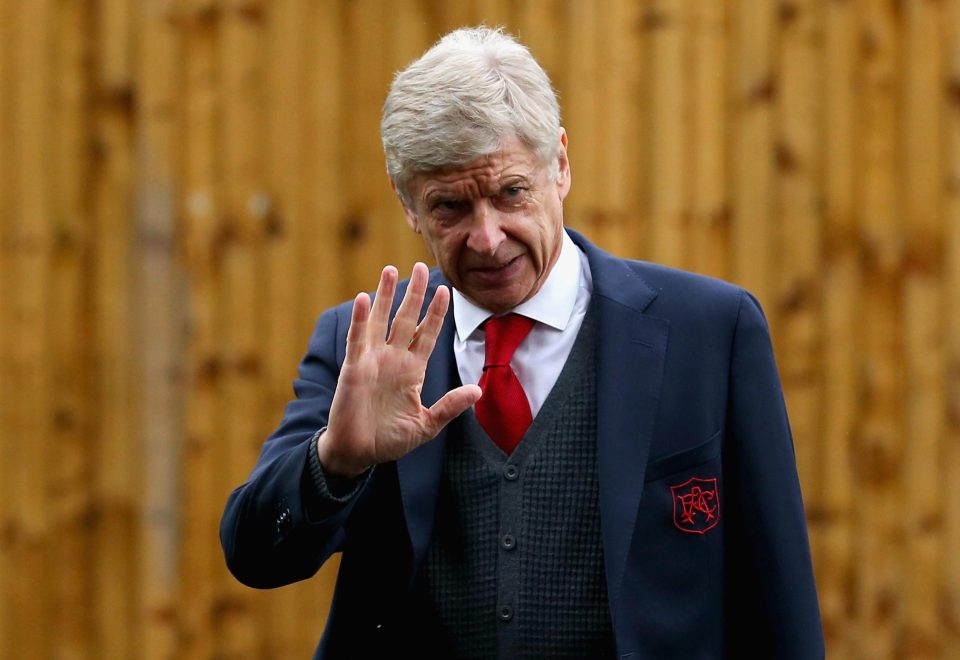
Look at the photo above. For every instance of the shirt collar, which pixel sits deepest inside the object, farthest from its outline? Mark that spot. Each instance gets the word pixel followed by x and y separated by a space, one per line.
pixel 552 305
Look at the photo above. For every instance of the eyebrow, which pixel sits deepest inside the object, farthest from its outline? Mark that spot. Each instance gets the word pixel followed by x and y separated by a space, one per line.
pixel 442 193
pixel 514 179
pixel 437 196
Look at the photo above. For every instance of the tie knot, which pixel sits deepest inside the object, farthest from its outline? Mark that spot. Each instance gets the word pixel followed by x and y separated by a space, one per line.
pixel 503 335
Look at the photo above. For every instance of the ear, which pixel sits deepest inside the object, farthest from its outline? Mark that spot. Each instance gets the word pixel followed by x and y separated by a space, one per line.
pixel 408 213
pixel 563 175
pixel 412 221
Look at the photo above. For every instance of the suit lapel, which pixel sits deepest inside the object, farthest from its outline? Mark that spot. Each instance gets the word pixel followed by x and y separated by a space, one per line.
pixel 419 471
pixel 630 360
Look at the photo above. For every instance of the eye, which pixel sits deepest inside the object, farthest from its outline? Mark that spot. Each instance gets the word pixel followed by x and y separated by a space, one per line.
pixel 511 197
pixel 448 210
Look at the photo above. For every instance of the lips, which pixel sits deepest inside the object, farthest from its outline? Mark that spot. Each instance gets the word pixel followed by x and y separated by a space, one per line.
pixel 496 267
pixel 497 274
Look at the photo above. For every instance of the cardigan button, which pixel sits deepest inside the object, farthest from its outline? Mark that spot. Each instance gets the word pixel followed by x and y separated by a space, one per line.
pixel 511 472
pixel 506 613
pixel 509 542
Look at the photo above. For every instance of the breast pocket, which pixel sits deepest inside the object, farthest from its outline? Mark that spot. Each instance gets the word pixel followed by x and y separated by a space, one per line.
pixel 684 488
pixel 678 543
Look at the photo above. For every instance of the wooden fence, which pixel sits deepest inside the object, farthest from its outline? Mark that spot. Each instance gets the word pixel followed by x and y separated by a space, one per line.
pixel 186 184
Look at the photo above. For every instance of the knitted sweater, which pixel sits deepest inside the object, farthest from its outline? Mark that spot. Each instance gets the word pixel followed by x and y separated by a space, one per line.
pixel 515 568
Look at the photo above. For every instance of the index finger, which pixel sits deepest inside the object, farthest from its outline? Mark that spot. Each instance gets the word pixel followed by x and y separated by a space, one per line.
pixel 357 335
pixel 380 314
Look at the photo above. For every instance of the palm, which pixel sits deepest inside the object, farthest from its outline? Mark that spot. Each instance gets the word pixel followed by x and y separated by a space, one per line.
pixel 377 414
pixel 384 386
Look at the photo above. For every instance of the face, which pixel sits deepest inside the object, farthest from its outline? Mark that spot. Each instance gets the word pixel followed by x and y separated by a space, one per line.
pixel 494 225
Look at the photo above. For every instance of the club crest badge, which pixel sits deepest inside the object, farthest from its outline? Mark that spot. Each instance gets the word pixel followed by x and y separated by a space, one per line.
pixel 696 505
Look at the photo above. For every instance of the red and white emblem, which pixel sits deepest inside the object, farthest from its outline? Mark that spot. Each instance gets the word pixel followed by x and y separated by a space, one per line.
pixel 696 505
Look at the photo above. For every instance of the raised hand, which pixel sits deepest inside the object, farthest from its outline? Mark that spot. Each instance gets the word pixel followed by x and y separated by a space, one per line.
pixel 376 414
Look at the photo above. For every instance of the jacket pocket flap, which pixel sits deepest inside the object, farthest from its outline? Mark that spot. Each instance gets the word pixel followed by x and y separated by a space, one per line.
pixel 682 460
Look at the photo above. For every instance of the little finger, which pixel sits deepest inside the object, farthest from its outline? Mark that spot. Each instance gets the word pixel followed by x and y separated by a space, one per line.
pixel 356 335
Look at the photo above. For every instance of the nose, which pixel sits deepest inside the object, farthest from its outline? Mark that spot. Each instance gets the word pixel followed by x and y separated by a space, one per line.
pixel 485 232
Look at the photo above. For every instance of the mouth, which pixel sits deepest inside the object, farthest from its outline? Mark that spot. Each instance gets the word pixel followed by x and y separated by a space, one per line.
pixel 496 267
pixel 497 274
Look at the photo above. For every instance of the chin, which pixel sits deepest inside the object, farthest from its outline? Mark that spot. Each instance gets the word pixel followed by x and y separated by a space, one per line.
pixel 499 303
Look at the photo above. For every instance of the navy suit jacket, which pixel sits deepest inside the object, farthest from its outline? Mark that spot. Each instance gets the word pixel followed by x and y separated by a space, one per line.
pixel 703 528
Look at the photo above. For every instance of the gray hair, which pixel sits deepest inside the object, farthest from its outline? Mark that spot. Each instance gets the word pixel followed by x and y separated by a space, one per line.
pixel 472 90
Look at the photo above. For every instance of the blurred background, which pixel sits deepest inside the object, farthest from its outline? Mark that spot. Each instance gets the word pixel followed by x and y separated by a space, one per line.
pixel 186 184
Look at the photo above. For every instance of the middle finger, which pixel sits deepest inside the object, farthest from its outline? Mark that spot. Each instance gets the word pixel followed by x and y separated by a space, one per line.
pixel 405 321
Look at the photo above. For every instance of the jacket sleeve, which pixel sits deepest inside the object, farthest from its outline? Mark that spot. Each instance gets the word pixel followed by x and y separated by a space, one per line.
pixel 773 609
pixel 271 532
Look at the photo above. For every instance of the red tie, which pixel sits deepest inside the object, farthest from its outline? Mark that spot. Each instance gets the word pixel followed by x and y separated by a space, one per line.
pixel 503 411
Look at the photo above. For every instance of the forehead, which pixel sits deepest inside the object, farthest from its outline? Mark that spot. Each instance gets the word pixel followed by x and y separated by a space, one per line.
pixel 482 176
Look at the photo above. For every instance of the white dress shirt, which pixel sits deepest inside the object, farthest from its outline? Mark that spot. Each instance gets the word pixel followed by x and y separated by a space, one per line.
pixel 558 309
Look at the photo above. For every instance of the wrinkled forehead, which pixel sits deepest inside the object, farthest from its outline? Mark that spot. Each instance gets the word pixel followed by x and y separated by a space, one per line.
pixel 514 163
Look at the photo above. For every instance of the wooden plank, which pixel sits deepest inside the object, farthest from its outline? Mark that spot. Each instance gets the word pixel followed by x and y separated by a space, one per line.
pixel 540 25
pixel 831 535
pixel 240 251
pixel 29 530
pixel 670 117
pixel 281 208
pixel 160 325
pixel 369 207
pixel 924 496
pixel 710 184
pixel 408 36
pixel 754 90
pixel 319 252
pixel 202 561
pixel 879 442
pixel 620 92
pixel 493 13
pixel 579 98
pixel 71 340
pixel 8 444
pixel 323 125
pixel 950 447
pixel 116 459
pixel 798 208
pixel 543 27
pixel 452 15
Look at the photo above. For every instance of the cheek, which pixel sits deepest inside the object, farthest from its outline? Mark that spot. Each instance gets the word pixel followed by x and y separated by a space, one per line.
pixel 542 236
pixel 446 250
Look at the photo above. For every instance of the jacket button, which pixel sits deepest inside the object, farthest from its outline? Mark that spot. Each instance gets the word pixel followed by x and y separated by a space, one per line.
pixel 283 520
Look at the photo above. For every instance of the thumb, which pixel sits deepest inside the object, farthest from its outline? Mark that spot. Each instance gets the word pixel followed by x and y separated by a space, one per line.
pixel 451 405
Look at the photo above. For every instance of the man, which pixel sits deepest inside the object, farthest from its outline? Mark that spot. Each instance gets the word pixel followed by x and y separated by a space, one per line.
pixel 583 456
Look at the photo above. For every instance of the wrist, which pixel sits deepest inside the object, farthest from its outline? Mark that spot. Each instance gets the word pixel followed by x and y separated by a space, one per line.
pixel 333 464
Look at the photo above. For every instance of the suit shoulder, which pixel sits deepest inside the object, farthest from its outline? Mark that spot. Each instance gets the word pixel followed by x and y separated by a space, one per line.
pixel 689 296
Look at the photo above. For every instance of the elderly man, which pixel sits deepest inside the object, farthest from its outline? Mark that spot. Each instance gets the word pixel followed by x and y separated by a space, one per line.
pixel 582 456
